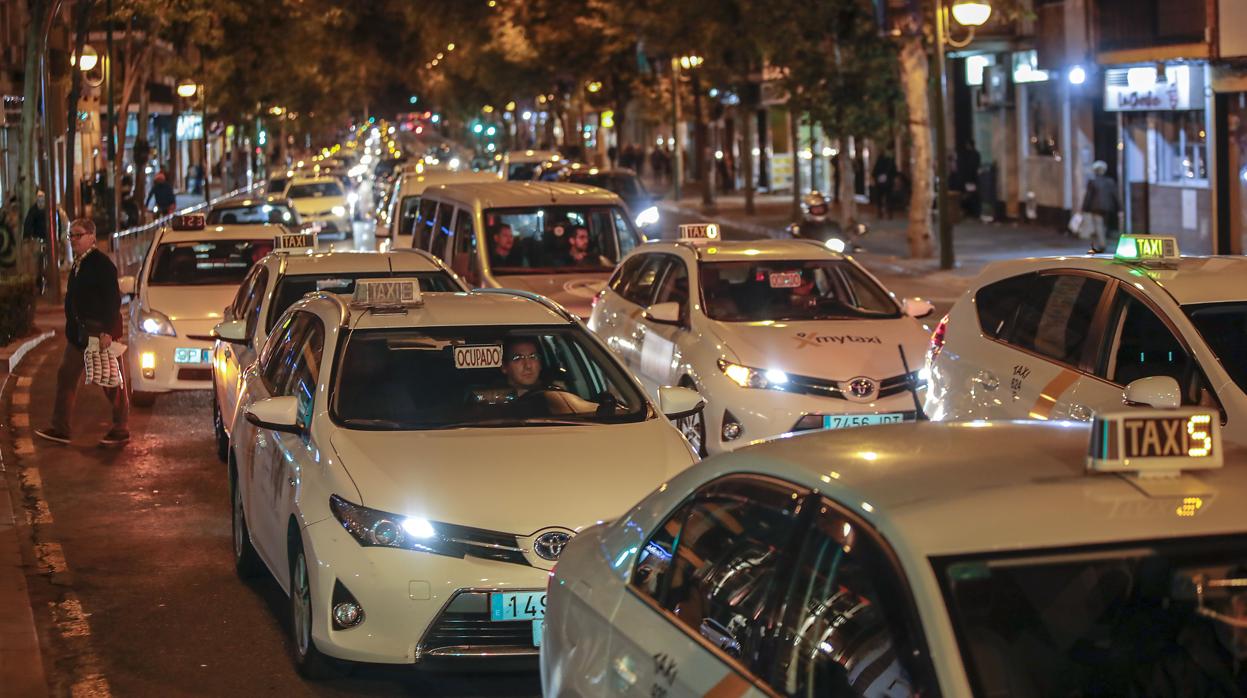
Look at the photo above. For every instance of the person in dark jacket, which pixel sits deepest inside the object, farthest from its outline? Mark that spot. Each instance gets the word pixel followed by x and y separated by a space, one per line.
pixel 162 192
pixel 92 309
pixel 1100 203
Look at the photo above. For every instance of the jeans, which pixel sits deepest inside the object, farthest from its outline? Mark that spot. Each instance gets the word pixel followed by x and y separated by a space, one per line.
pixel 1099 231
pixel 69 377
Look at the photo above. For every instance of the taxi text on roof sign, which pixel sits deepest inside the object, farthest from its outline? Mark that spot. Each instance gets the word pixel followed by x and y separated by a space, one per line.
pixel 1147 247
pixel 386 293
pixel 1155 443
pixel 291 241
pixel 699 231
pixel 188 221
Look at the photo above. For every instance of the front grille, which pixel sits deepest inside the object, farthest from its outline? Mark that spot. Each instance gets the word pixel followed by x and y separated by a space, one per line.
pixel 463 629
pixel 822 387
pixel 194 374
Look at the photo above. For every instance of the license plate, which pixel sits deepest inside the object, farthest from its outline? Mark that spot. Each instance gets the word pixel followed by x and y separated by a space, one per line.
pixel 517 605
pixel 191 356
pixel 845 421
pixel 539 627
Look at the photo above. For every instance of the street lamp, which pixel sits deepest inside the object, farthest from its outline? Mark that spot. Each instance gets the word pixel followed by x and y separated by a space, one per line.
pixel 89 59
pixel 187 89
pixel 971 13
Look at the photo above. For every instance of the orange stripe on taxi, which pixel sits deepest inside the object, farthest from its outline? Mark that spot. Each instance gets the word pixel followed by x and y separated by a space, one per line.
pixel 732 686
pixel 1051 393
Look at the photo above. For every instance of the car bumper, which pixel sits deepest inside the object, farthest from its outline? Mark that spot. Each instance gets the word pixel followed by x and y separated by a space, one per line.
pixel 154 370
pixel 763 414
pixel 418 607
pixel 330 225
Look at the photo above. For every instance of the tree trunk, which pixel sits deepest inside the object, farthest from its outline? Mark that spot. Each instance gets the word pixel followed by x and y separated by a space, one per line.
pixel 915 83
pixel 701 138
pixel 794 122
pixel 38 12
pixel 142 148
pixel 848 192
pixel 73 202
pixel 749 112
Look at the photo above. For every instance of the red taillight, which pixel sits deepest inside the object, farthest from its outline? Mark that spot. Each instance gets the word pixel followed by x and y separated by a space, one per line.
pixel 937 339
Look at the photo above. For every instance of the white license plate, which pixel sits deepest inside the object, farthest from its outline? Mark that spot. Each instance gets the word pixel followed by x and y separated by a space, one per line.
pixel 191 356
pixel 845 421
pixel 539 627
pixel 517 605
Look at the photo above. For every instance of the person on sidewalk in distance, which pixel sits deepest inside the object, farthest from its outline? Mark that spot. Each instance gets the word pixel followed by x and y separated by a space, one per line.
pixel 162 192
pixel 885 181
pixel 1099 203
pixel 92 309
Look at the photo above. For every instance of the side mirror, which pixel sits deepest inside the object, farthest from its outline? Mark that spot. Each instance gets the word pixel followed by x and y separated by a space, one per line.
pixel 1161 392
pixel 677 403
pixel 917 307
pixel 276 413
pixel 232 331
pixel 126 284
pixel 663 313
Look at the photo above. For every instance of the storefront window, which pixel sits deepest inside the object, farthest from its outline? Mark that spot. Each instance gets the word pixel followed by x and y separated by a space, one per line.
pixel 1182 147
pixel 1044 106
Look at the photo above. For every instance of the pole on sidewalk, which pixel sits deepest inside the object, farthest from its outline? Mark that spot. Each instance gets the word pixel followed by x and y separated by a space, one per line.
pixel 114 203
pixel 677 178
pixel 203 103
pixel 52 274
pixel 947 258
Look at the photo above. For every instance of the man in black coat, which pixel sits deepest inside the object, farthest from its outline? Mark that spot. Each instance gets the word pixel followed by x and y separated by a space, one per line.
pixel 92 309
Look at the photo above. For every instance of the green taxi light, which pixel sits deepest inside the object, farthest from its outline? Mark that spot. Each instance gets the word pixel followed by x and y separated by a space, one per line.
pixel 1147 247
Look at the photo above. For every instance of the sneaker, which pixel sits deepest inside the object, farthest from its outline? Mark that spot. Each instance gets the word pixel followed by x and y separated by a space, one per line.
pixel 50 434
pixel 114 437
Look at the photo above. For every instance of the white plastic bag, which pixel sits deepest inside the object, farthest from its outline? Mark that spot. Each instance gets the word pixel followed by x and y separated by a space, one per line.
pixel 1080 225
pixel 103 367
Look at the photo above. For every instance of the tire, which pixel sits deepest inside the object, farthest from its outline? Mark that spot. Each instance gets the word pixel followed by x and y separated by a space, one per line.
pixel 218 426
pixel 246 561
pixel 693 427
pixel 310 662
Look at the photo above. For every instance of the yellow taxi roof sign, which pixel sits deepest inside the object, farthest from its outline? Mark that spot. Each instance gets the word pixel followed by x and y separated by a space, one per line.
pixel 295 242
pixel 386 293
pixel 1155 442
pixel 1147 248
pixel 700 231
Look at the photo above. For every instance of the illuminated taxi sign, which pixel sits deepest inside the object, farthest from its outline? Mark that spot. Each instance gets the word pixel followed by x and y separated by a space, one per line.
pixel 699 231
pixel 386 293
pixel 188 221
pixel 1147 248
pixel 286 242
pixel 1155 442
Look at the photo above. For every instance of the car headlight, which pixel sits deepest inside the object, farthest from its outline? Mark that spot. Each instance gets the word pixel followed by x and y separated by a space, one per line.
pixel 647 217
pixel 338 211
pixel 156 322
pixel 373 528
pixel 747 377
pixel 352 198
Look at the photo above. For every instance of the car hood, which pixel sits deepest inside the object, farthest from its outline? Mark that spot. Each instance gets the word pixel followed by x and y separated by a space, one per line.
pixel 832 349
pixel 513 480
pixel 191 309
pixel 574 291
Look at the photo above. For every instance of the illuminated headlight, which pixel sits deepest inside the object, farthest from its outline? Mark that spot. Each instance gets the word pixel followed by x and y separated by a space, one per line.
pixel 924 376
pixel 371 527
pixel 647 217
pixel 156 322
pixel 338 211
pixel 747 377
pixel 352 197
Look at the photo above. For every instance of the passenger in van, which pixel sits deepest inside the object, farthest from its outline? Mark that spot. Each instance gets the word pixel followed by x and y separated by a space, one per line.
pixel 577 252
pixel 502 252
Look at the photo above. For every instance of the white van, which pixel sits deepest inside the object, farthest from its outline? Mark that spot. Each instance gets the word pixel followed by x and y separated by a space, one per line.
pixel 556 239
pixel 406 201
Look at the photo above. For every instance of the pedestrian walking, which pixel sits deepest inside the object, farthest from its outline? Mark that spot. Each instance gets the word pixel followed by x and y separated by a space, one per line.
pixel 1099 204
pixel 162 192
pixel 92 311
pixel 968 163
pixel 884 174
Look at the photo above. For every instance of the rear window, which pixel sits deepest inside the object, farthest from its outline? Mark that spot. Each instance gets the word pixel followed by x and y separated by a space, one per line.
pixel 255 213
pixel 1049 314
pixel 314 189
pixel 277 185
pixel 207 262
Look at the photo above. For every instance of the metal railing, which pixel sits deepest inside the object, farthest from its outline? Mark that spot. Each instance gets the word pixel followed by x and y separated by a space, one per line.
pixel 130 245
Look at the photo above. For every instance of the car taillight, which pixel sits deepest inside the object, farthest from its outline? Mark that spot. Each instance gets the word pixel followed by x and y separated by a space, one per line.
pixel 937 339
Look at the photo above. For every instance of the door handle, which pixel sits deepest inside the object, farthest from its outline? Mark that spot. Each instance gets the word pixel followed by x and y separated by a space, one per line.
pixel 625 675
pixel 1082 413
pixel 988 380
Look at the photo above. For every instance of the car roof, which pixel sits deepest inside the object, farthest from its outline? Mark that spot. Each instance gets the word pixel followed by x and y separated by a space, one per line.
pixel 478 308
pixel 522 156
pixel 1188 279
pixel 415 183
pixel 249 200
pixel 960 488
pixel 742 250
pixel 347 261
pixel 243 231
pixel 499 194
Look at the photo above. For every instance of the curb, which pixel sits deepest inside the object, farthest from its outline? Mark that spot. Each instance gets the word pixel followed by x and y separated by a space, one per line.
pixel 9 363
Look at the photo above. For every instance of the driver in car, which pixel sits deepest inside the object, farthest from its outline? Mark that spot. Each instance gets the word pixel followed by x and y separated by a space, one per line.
pixel 521 364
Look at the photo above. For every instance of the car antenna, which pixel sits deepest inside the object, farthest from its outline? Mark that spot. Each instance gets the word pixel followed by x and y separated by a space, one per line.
pixel 550 189
pixel 912 381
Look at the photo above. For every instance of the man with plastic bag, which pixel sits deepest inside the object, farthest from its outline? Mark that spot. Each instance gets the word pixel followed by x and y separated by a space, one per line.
pixel 92 321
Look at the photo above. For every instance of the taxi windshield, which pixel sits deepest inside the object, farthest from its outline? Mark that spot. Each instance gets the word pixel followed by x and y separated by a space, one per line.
pixel 495 376
pixel 1224 328
pixel 789 290
pixel 251 214
pixel 1105 622
pixel 553 239
pixel 206 262
pixel 293 287
pixel 312 189
pixel 276 185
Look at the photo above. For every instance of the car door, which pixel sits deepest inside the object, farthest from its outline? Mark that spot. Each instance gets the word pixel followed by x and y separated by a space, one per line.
pixel 422 235
pixel 608 309
pixel 463 259
pixel 661 351
pixel 693 616
pixel 637 295
pixel 236 357
pixel 1036 328
pixel 1138 342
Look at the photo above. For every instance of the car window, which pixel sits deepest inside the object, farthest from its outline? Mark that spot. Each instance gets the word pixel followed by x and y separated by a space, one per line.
pixel 628 236
pixel 674 285
pixel 998 303
pixel 640 288
pixel 408 214
pixel 281 351
pixel 846 626
pixel 715 563
pixel 1139 345
pixel 251 309
pixel 550 239
pixel 425 220
pixel 261 213
pixel 314 189
pixel 624 273
pixel 442 232
pixel 792 289
pixel 1224 328
pixel 206 262
pixel 465 234
pixel 245 290
pixel 293 287
pixel 276 185
pixel 305 371
pixel 1055 317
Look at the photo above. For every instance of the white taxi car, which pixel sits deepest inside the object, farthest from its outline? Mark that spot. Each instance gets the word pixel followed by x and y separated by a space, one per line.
pixel 409 467
pixel 323 202
pixel 282 278
pixel 778 335
pixel 928 559
pixel 188 276
pixel 1060 338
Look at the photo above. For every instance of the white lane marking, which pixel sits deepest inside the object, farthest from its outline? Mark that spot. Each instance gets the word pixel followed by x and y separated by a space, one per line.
pixel 70 619
pixel 21 399
pixel 31 479
pixel 51 557
pixel 93 686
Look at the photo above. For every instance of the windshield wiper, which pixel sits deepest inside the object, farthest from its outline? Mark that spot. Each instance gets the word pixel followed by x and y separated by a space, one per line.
pixel 511 422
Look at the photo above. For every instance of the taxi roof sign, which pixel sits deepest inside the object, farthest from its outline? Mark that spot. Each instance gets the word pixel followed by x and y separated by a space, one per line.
pixel 1155 443
pixel 188 221
pixel 1147 248
pixel 298 241
pixel 386 293
pixel 699 231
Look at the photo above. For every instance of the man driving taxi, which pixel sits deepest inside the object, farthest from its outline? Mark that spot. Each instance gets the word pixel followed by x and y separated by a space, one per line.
pixel 521 364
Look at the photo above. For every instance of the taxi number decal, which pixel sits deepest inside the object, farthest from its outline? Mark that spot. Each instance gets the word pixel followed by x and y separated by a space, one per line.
pixel 287 240
pixel 479 356
pixel 785 279
pixel 1159 437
